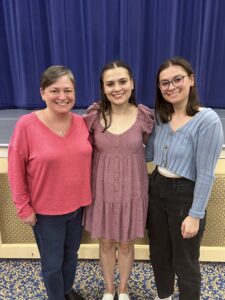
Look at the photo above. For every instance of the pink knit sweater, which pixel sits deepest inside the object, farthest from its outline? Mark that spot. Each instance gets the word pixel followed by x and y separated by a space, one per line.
pixel 49 174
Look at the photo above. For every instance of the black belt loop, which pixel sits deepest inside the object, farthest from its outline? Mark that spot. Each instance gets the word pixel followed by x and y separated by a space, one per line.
pixel 155 172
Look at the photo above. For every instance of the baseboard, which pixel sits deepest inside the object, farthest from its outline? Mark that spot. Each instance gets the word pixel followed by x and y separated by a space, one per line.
pixel 91 251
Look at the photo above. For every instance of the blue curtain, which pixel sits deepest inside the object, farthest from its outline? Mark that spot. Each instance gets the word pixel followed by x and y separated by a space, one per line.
pixel 86 34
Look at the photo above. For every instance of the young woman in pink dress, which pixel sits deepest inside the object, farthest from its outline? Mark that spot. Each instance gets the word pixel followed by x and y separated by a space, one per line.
pixel 119 128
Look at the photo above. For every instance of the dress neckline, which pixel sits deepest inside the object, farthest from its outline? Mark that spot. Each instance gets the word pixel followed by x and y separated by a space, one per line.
pixel 125 131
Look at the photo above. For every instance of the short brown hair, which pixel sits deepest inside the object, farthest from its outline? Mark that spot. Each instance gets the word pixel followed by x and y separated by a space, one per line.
pixel 53 73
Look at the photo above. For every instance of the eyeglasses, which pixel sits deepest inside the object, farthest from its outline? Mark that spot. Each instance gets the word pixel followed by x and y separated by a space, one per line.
pixel 177 81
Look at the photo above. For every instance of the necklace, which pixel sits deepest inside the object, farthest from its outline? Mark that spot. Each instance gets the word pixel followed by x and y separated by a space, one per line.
pixel 60 132
pixel 54 123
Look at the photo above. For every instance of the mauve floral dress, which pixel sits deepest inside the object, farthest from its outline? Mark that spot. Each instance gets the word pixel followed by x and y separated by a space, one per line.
pixel 119 179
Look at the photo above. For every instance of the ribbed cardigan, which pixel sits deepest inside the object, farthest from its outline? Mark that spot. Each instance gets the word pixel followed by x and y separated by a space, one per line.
pixel 191 152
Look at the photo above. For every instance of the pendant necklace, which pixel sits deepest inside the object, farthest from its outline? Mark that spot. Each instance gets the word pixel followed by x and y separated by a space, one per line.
pixel 61 132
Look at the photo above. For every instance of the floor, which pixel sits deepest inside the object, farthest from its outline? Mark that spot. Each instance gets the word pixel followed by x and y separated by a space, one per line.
pixel 21 280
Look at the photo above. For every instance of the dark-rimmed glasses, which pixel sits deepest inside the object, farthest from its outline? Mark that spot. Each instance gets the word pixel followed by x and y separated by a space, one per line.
pixel 177 81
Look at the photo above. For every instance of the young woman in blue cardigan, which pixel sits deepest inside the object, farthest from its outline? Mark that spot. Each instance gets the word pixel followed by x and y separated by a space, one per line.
pixel 185 147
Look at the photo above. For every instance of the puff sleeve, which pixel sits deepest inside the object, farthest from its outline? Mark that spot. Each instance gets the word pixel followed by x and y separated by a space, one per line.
pixel 145 119
pixel 92 116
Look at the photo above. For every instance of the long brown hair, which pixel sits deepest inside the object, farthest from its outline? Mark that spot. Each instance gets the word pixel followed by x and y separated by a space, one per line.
pixel 164 109
pixel 104 104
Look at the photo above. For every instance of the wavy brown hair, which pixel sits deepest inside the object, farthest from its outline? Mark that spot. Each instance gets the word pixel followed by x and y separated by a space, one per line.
pixel 164 109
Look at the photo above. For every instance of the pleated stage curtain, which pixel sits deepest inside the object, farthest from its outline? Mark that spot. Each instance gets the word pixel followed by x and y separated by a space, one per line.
pixel 86 34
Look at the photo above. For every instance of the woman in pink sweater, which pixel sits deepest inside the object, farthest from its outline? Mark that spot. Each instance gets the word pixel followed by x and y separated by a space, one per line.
pixel 47 152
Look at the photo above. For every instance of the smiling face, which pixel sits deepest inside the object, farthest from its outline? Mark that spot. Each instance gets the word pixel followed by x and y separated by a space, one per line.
pixel 176 95
pixel 117 85
pixel 60 95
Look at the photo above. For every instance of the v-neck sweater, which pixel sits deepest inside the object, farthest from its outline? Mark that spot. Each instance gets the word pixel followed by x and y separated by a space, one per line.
pixel 191 152
pixel 49 174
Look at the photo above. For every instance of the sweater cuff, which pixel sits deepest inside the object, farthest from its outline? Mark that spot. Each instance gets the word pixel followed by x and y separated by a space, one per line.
pixel 25 212
pixel 196 215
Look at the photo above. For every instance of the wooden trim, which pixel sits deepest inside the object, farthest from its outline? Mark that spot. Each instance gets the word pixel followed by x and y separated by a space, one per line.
pixel 91 251
pixel 220 167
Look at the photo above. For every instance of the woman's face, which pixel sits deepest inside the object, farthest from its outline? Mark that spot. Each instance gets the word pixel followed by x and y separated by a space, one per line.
pixel 177 91
pixel 59 96
pixel 117 85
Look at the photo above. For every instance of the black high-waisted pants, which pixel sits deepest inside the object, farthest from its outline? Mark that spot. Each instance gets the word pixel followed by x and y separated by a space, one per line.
pixel 169 202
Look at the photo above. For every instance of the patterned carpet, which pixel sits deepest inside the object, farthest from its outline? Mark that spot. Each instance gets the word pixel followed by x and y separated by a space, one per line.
pixel 20 280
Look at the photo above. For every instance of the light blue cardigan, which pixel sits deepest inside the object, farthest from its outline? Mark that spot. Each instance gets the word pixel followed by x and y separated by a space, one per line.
pixel 191 152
